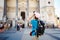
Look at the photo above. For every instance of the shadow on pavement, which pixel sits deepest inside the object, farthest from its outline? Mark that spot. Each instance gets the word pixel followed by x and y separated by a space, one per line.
pixel 55 37
pixel 4 38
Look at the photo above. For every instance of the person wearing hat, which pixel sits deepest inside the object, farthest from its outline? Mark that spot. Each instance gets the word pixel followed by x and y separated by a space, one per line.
pixel 33 24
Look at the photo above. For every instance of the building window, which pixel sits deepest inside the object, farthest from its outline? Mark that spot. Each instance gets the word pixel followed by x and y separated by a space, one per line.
pixel 49 2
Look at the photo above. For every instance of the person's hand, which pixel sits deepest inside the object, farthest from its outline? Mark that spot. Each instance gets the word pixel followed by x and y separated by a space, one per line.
pixel 30 25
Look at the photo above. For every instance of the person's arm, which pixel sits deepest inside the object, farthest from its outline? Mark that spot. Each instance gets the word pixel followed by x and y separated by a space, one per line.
pixel 30 24
pixel 30 17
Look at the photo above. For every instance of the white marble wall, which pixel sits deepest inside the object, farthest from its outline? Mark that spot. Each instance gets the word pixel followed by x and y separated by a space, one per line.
pixel 51 3
pixel 11 8
pixel 2 3
pixel 42 3
pixel 1 8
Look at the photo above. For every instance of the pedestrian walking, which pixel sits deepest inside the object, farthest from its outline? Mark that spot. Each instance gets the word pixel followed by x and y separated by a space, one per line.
pixel 18 26
pixel 34 25
pixel 36 30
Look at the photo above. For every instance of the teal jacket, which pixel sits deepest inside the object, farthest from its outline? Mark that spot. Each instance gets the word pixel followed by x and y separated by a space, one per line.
pixel 34 26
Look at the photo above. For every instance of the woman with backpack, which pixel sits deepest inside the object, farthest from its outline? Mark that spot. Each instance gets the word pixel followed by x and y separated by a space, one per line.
pixel 34 25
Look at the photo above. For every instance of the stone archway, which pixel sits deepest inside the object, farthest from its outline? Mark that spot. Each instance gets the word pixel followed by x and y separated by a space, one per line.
pixel 23 15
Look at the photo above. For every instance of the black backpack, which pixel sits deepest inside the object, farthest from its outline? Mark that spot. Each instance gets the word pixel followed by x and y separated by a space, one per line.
pixel 40 28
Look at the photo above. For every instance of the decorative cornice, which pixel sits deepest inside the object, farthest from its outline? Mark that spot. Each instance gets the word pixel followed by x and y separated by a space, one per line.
pixel 46 7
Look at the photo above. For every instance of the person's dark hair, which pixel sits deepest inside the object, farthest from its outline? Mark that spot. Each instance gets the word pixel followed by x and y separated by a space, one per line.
pixel 36 18
pixel 33 11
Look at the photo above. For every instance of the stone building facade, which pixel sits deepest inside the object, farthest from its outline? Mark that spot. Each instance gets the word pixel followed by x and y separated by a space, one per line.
pixel 15 8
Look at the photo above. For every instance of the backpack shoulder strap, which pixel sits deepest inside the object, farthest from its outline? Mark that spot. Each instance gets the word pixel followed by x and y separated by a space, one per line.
pixel 42 23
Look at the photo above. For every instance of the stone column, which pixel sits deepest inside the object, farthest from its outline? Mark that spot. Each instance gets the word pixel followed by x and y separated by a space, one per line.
pixel 39 8
pixel 11 11
pixel 1 9
pixel 38 1
pixel 16 16
pixel 39 5
pixel 5 11
pixel 27 14
pixel 17 8
pixel 5 7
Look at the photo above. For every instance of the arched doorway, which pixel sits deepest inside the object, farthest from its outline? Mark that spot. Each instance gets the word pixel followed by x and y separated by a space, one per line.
pixel 23 15
pixel 23 18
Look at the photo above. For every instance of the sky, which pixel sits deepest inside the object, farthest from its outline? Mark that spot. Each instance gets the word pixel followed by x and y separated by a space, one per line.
pixel 57 7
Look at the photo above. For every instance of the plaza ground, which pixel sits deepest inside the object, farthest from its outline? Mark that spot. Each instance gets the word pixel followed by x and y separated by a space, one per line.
pixel 23 34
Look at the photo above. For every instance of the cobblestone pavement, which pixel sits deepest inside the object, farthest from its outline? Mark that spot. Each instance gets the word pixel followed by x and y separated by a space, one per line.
pixel 50 34
pixel 23 34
